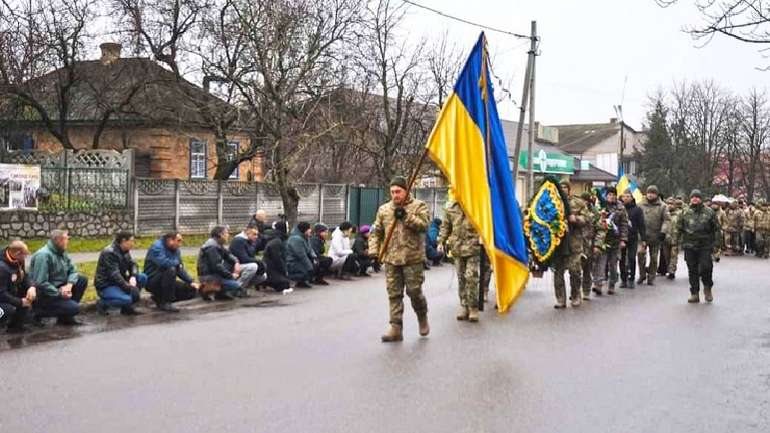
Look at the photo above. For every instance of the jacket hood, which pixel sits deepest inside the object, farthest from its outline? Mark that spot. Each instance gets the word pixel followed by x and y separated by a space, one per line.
pixel 337 234
pixel 242 235
pixel 297 232
pixel 211 242
pixel 52 246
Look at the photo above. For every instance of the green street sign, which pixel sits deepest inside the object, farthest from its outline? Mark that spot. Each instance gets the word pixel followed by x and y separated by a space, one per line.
pixel 548 162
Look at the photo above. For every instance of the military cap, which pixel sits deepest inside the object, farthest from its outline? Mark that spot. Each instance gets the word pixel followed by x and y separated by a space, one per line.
pixel 565 181
pixel 653 189
pixel 399 181
pixel 696 193
pixel 585 195
pixel 612 190
pixel 670 200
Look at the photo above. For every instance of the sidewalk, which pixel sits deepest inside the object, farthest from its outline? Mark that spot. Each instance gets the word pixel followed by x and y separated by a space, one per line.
pixel 136 254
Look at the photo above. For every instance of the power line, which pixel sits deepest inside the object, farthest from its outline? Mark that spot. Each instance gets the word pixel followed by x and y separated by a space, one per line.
pixel 492 29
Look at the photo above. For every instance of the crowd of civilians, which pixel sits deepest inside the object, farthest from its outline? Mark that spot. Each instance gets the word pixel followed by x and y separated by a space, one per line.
pixel 262 256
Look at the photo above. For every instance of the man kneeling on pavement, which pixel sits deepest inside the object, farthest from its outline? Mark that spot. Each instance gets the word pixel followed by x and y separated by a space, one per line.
pixel 163 265
pixel 16 292
pixel 117 280
pixel 218 267
pixel 59 286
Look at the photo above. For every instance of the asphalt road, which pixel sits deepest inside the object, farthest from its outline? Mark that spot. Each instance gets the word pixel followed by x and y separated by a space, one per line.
pixel 642 361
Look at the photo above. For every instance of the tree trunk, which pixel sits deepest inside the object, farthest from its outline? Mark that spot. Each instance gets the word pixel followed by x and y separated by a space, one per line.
pixel 289 197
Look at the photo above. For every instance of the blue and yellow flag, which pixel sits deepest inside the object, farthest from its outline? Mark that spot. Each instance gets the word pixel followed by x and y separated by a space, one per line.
pixel 624 183
pixel 467 143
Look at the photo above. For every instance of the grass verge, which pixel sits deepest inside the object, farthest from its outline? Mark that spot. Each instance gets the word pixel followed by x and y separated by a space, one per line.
pixel 89 269
pixel 87 245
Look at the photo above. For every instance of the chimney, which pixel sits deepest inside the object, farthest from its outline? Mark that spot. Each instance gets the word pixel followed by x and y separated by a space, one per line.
pixel 613 120
pixel 110 52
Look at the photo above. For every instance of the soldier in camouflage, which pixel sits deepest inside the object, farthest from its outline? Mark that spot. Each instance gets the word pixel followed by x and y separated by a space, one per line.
pixel 570 252
pixel 589 240
pixel 734 219
pixel 616 238
pixel 404 256
pixel 671 244
pixel 463 242
pixel 722 221
pixel 656 221
pixel 698 231
pixel 762 229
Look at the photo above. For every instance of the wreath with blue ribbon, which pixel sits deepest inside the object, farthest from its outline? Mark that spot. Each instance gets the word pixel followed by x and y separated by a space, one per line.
pixel 545 224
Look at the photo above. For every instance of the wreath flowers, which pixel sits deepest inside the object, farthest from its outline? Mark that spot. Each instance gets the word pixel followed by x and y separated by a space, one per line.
pixel 546 222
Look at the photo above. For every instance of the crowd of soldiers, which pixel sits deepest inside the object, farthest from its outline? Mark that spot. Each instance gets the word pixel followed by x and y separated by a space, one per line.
pixel 602 240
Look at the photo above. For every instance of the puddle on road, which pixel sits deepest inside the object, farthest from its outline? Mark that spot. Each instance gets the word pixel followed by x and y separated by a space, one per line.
pixel 96 324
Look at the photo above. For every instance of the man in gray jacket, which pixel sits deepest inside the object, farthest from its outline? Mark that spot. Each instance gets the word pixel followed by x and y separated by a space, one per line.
pixel 656 220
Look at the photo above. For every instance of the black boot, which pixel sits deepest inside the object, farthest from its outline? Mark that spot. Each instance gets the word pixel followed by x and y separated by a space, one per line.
pixel 129 311
pixel 168 308
pixel 224 296
pixel 68 321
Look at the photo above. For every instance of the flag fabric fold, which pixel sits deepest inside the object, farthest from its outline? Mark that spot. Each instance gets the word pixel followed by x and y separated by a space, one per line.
pixel 468 145
pixel 624 183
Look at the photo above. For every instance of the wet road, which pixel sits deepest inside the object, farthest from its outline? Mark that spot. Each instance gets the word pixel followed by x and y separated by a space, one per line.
pixel 643 361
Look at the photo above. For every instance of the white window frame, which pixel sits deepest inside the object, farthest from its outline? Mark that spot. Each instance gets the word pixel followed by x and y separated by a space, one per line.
pixel 196 163
pixel 235 146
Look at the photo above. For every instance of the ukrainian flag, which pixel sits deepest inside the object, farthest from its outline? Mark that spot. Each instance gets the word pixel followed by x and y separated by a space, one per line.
pixel 467 144
pixel 624 183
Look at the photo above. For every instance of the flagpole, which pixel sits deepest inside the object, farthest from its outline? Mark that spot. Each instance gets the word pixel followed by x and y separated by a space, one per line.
pixel 487 143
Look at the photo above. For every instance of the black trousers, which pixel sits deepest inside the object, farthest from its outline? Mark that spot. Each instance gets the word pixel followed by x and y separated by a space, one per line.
pixel 12 315
pixel 628 260
pixel 165 288
pixel 321 267
pixel 364 262
pixel 56 306
pixel 699 268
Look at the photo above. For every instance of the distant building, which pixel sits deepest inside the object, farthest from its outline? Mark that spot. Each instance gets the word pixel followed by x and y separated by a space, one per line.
pixel 599 144
pixel 151 111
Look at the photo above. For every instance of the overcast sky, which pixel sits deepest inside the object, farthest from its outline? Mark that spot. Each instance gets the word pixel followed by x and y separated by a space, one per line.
pixel 589 47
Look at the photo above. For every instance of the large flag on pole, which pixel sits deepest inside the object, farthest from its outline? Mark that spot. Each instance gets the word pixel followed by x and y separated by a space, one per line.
pixel 467 143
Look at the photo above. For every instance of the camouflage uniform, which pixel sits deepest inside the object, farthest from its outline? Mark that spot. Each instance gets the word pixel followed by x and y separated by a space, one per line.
pixel 569 254
pixel 589 258
pixel 599 243
pixel 734 218
pixel 762 229
pixel 463 242
pixel 656 221
pixel 748 228
pixel 616 229
pixel 720 242
pixel 698 231
pixel 405 256
pixel 671 244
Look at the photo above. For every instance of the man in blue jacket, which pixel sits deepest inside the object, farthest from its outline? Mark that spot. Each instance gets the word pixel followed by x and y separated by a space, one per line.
pixel 244 247
pixel 163 265
pixel 59 286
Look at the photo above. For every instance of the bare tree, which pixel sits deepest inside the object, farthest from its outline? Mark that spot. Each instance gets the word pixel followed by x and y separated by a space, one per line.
pixel 283 67
pixel 743 20
pixel 756 130
pixel 41 44
pixel 178 33
pixel 390 78
pixel 444 62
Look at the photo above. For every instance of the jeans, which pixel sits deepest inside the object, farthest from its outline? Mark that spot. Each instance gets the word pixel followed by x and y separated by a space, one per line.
pixel 166 289
pixel 231 285
pixel 249 276
pixel 114 296
pixel 56 306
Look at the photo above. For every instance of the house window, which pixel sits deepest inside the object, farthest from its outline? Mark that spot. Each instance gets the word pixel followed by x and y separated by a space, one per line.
pixel 232 151
pixel 198 160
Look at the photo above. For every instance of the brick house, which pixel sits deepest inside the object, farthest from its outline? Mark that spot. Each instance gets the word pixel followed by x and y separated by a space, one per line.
pixel 133 103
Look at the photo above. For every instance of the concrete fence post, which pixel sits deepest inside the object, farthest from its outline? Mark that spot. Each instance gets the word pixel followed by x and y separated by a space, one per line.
pixel 220 203
pixel 321 200
pixel 135 188
pixel 176 204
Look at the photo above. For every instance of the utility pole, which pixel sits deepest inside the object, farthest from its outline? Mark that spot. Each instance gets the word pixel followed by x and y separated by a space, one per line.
pixel 523 106
pixel 532 129
pixel 619 113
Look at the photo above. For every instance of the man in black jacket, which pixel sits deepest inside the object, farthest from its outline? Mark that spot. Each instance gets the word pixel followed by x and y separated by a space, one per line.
pixel 275 257
pixel 244 247
pixel 216 265
pixel 117 280
pixel 322 262
pixel 636 233
pixel 16 290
